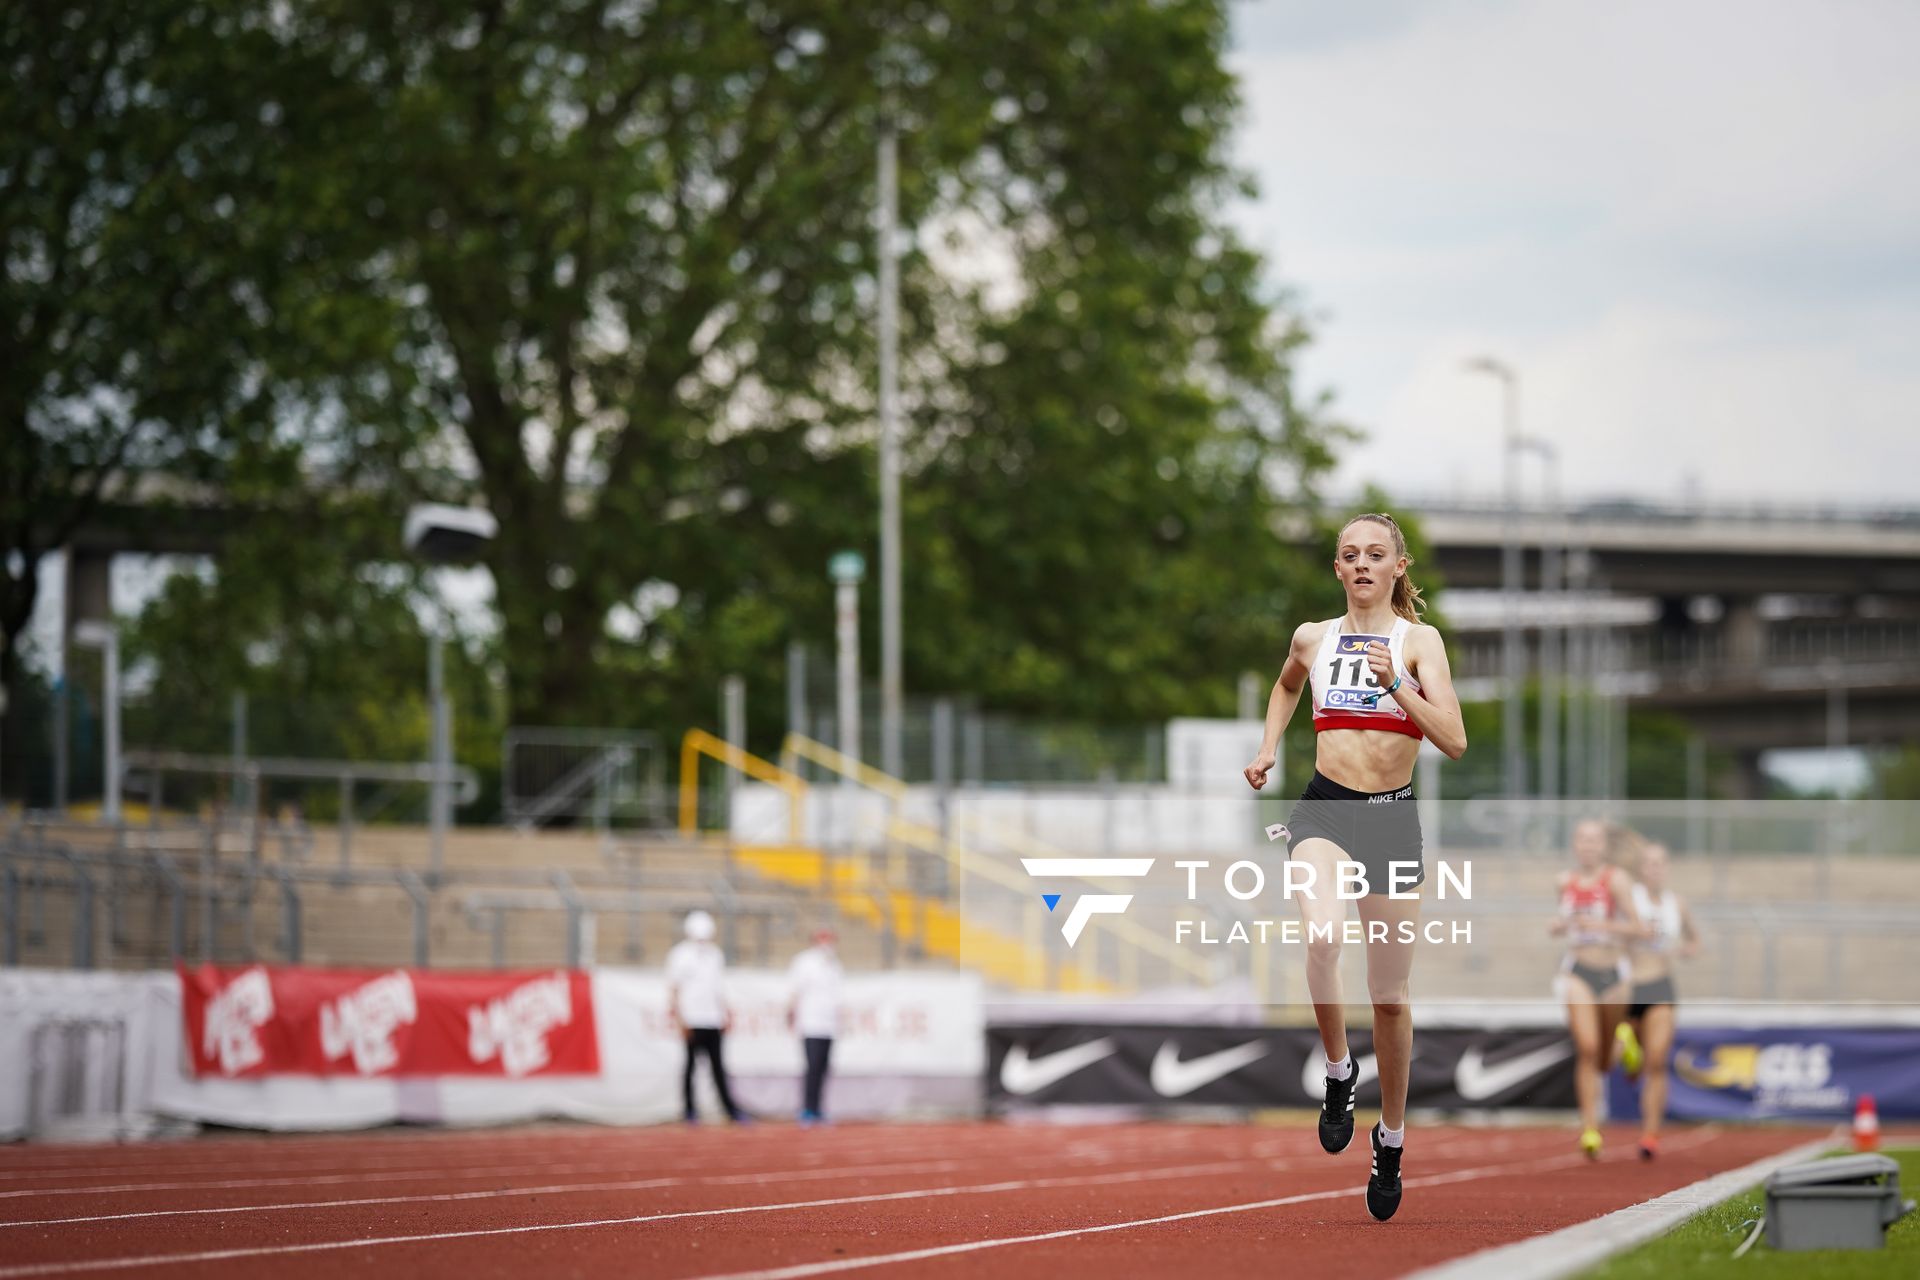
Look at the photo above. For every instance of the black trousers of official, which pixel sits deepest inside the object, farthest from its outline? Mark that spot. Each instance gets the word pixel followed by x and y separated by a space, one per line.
pixel 819 1049
pixel 707 1040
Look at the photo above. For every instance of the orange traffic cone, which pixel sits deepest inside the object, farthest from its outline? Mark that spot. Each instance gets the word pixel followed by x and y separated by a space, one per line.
pixel 1866 1125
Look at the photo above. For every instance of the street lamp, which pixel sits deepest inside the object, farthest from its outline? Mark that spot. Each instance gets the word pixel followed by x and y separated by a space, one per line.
pixel 105 636
pixel 1511 657
pixel 1551 632
pixel 442 535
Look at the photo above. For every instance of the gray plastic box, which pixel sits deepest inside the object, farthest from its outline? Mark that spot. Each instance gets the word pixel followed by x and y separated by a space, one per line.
pixel 1846 1203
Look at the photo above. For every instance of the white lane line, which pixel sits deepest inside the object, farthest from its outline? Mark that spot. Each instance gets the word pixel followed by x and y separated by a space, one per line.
pixel 602 1161
pixel 441 1174
pixel 213 1155
pixel 848 1171
pixel 444 1173
pixel 346 1162
pixel 1444 1147
pixel 601 1151
pixel 1023 1184
pixel 1585 1244
pixel 799 1270
pixel 558 1188
pixel 921 1193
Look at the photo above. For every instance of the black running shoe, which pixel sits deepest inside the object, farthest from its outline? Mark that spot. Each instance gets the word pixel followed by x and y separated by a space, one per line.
pixel 1383 1186
pixel 1336 1113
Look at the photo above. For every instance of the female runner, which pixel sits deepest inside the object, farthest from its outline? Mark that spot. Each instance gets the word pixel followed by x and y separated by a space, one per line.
pixel 1667 935
pixel 1380 683
pixel 1596 917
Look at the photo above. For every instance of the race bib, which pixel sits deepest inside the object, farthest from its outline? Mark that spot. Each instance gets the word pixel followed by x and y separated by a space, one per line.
pixel 1350 682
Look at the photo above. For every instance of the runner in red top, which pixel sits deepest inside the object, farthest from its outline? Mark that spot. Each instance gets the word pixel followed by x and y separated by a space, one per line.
pixel 1380 683
pixel 1596 917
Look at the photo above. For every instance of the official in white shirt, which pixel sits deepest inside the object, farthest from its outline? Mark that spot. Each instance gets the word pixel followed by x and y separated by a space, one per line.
pixel 814 1012
pixel 697 999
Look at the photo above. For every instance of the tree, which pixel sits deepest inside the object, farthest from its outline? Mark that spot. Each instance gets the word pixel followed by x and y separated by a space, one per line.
pixel 608 268
pixel 155 319
pixel 629 257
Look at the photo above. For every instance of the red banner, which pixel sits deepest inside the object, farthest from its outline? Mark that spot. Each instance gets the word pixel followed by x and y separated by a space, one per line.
pixel 261 1021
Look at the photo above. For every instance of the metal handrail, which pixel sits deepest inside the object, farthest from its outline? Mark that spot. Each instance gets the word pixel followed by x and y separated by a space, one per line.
pixel 290 911
pixel 598 768
pixel 968 861
pixel 83 903
pixel 729 904
pixel 464 778
pixel 699 742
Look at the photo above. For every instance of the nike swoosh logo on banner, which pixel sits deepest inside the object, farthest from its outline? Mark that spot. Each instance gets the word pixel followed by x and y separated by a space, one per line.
pixel 1172 1078
pixel 1021 1074
pixel 1313 1075
pixel 1476 1080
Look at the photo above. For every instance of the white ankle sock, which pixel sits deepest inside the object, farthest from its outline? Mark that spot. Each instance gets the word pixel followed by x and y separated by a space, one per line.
pixel 1342 1069
pixel 1392 1137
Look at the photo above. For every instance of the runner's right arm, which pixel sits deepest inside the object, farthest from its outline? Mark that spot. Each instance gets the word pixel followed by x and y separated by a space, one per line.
pixel 1281 702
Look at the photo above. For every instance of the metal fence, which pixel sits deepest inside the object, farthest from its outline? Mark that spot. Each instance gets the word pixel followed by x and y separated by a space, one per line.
pixel 608 778
pixel 953 739
pixel 90 896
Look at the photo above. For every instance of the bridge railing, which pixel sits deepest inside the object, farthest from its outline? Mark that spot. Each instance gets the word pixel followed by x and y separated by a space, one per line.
pixel 1660 511
pixel 1856 650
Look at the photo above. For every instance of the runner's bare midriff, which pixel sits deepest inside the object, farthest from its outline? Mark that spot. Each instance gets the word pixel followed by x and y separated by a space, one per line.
pixel 1595 957
pixel 1365 759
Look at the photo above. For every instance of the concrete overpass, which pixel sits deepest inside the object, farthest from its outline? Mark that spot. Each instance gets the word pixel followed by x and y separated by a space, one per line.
pixel 1808 680
pixel 1763 627
pixel 1672 550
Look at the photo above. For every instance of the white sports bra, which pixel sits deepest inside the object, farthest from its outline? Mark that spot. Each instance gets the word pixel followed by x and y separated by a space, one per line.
pixel 1663 915
pixel 1345 694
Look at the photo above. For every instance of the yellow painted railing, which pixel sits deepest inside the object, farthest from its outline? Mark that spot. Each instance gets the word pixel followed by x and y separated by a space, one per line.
pixel 698 743
pixel 855 886
pixel 1131 939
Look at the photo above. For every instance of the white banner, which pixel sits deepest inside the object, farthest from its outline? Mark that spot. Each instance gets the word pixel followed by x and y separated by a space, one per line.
pixel 916 1042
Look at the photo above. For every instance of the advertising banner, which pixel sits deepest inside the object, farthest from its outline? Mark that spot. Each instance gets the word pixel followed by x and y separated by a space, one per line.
pixel 264 1021
pixel 1237 1066
pixel 1799 1073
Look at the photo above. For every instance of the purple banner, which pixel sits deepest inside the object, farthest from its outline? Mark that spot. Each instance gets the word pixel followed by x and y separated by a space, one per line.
pixel 1788 1072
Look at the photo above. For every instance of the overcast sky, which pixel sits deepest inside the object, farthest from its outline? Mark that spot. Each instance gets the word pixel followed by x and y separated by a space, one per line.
pixel 1691 226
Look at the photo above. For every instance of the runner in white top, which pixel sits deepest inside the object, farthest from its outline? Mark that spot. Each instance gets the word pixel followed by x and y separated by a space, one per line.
pixel 1667 935
pixel 1379 683
pixel 814 1012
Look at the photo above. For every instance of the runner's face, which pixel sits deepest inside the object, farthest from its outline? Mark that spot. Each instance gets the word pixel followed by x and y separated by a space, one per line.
pixel 1589 845
pixel 1653 867
pixel 1366 562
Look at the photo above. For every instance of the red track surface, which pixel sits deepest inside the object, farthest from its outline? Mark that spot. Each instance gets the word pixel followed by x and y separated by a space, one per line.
pixel 720 1201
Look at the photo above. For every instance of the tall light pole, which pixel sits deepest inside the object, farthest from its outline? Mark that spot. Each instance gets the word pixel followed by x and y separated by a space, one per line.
pixel 443 535
pixel 889 215
pixel 1512 659
pixel 1548 782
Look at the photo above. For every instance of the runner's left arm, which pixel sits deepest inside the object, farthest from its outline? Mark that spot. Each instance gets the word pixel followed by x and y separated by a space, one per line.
pixel 1689 932
pixel 1434 707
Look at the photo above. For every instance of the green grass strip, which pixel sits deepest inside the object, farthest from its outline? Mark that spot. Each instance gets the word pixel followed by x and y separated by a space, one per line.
pixel 1703 1246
